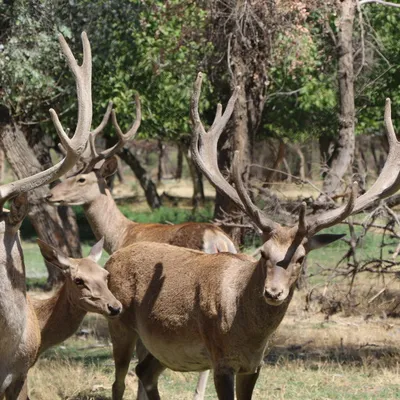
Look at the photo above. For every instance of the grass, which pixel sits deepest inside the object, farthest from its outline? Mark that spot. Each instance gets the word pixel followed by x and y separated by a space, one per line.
pixel 345 356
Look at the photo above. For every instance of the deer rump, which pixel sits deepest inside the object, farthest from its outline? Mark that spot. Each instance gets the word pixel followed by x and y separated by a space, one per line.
pixel 187 317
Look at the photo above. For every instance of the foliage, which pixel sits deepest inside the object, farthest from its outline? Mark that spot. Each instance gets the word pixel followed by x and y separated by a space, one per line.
pixel 151 47
pixel 30 58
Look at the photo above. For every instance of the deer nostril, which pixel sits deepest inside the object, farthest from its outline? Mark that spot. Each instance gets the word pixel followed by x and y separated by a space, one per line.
pixel 273 294
pixel 113 310
pixel 49 196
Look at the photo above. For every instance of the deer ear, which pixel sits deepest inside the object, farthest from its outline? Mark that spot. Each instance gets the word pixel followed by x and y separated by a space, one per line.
pixel 317 241
pixel 54 256
pixel 96 251
pixel 109 167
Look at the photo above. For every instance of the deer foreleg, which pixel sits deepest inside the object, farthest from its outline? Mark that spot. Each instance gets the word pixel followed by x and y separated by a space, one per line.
pixel 224 381
pixel 245 385
pixel 123 345
pixel 148 372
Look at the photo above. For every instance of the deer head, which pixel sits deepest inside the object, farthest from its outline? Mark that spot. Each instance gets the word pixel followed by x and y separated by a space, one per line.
pixel 87 182
pixel 84 187
pixel 87 281
pixel 284 247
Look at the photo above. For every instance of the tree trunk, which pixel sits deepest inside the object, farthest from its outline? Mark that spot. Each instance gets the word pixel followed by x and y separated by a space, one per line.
pixel 2 165
pixel 150 189
pixel 179 163
pixel 302 166
pixel 198 197
pixel 278 160
pixel 56 226
pixel 343 154
pixel 161 151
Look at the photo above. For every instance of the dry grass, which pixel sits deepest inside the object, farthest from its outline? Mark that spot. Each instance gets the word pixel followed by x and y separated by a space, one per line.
pixel 342 358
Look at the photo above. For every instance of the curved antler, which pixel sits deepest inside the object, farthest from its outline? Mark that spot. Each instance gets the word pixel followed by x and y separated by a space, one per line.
pixel 387 183
pixel 91 156
pixel 204 155
pixel 75 146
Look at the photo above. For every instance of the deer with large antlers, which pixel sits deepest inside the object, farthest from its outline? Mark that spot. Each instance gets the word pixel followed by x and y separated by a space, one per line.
pixel 88 187
pixel 195 311
pixel 19 327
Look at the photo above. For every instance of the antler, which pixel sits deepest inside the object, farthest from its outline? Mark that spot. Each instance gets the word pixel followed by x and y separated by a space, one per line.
pixel 91 157
pixel 204 155
pixel 75 146
pixel 387 183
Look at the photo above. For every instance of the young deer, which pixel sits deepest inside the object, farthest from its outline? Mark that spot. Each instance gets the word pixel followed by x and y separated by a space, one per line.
pixel 84 290
pixel 19 327
pixel 196 311
pixel 88 188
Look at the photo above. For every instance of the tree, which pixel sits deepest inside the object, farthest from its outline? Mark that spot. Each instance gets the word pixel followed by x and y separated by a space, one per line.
pixel 31 65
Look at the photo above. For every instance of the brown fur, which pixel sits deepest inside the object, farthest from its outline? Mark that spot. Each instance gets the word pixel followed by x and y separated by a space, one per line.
pixel 118 231
pixel 60 315
pixel 195 311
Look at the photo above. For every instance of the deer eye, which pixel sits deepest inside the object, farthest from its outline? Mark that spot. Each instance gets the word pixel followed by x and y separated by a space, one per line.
pixel 300 260
pixel 79 281
pixel 81 180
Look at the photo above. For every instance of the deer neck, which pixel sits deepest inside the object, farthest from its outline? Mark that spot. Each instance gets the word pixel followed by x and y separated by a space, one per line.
pixel 265 318
pixel 13 303
pixel 59 317
pixel 106 220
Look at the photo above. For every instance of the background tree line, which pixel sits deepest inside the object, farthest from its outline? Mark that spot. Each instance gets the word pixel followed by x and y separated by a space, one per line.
pixel 307 70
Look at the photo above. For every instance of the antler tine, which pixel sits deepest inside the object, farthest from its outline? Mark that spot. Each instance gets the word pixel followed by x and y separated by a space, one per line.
pixel 259 218
pixel 123 138
pixel 204 144
pixel 325 221
pixel 75 146
pixel 90 150
pixel 104 121
pixel 391 135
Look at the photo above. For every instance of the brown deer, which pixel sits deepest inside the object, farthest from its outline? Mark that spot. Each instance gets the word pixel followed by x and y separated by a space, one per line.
pixel 195 311
pixel 84 290
pixel 19 327
pixel 88 188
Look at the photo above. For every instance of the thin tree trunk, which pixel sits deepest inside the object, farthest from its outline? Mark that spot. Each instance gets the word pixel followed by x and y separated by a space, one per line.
pixel 54 226
pixel 150 189
pixel 302 166
pixel 161 151
pixel 278 160
pixel 179 163
pixel 343 154
pixel 2 165
pixel 288 170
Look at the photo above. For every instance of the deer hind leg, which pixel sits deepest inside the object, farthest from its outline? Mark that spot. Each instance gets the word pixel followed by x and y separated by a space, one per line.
pixel 245 385
pixel 148 371
pixel 123 341
pixel 18 390
pixel 224 381
pixel 141 353
pixel 201 385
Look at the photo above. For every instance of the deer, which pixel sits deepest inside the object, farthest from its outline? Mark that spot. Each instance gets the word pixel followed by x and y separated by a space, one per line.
pixel 195 311
pixel 84 290
pixel 19 326
pixel 87 186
